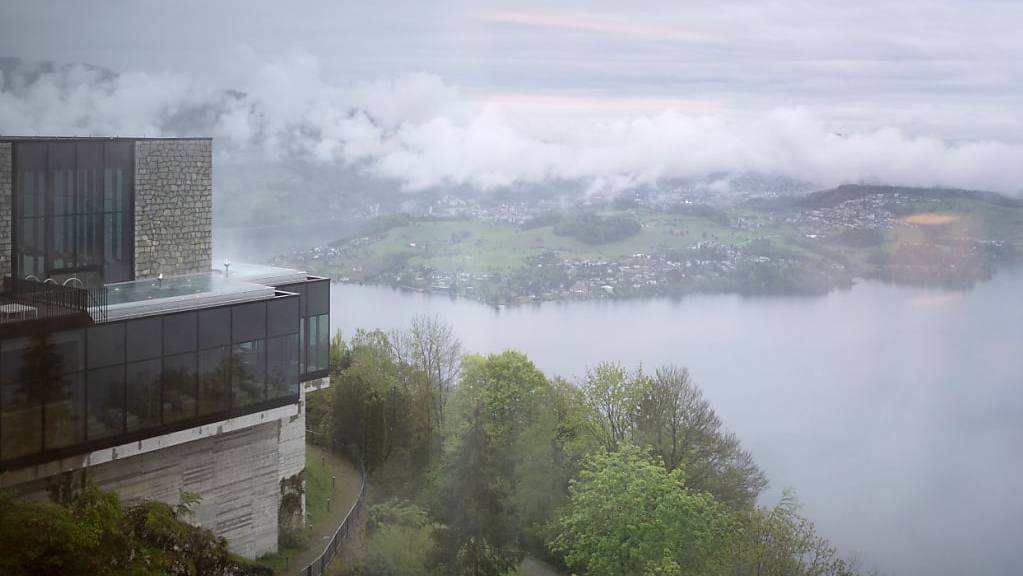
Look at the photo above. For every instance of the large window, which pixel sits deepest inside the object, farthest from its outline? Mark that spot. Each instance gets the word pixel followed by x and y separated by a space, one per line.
pixel 42 393
pixel 179 333
pixel 144 392
pixel 21 415
pixel 317 357
pixel 106 345
pixel 30 209
pixel 105 393
pixel 179 387
pixel 64 401
pixel 100 383
pixel 313 328
pixel 282 353
pixel 73 210
pixel 214 360
pixel 248 373
pixel 214 380
pixel 65 412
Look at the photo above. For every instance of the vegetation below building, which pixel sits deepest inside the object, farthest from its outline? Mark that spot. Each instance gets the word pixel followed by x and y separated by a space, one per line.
pixel 477 461
pixel 91 533
pixel 806 245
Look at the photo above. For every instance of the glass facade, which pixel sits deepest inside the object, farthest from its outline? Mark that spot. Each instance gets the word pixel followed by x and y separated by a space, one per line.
pixel 73 209
pixel 314 327
pixel 96 384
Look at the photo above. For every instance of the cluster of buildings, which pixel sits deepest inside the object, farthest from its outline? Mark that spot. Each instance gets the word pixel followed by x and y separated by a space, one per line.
pixel 707 266
pixel 127 357
pixel 871 212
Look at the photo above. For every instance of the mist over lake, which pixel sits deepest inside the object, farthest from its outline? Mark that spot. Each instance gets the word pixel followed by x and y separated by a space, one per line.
pixel 896 413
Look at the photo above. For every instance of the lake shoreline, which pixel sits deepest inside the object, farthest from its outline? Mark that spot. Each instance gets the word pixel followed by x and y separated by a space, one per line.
pixel 441 292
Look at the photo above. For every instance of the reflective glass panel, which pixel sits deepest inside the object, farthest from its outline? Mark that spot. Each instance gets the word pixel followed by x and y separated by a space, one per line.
pixel 282 357
pixel 179 387
pixel 283 316
pixel 145 339
pixel 214 380
pixel 143 394
pixel 20 421
pixel 248 373
pixel 105 393
pixel 214 327
pixel 106 345
pixel 179 333
pixel 248 322
pixel 65 412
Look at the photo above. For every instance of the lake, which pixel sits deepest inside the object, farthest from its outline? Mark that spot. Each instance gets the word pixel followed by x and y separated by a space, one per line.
pixel 896 413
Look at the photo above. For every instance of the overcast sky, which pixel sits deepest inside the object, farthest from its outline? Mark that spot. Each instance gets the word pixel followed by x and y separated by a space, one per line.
pixel 923 93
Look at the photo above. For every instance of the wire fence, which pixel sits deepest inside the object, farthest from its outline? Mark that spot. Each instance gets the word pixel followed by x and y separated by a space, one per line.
pixel 343 531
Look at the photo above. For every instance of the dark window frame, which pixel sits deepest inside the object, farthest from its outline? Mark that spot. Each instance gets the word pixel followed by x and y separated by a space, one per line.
pixel 49 215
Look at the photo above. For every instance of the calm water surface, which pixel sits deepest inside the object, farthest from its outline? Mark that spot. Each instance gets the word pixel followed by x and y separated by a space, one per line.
pixel 896 413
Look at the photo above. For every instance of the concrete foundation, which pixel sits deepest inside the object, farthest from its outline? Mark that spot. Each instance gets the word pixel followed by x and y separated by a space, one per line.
pixel 236 466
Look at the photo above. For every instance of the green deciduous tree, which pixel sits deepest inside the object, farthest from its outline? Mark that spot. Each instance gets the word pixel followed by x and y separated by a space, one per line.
pixel 612 394
pixel 371 407
pixel 508 388
pixel 628 515
pixel 399 542
pixel 92 534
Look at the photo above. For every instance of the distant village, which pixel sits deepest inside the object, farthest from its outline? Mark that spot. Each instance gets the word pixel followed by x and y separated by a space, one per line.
pixel 766 265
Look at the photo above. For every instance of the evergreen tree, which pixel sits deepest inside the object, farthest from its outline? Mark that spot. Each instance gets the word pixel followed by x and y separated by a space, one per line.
pixel 478 537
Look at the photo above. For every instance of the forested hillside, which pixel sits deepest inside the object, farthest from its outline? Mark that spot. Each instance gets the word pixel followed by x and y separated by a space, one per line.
pixel 476 462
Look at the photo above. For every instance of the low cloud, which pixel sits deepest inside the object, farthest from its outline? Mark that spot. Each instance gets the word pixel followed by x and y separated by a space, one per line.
pixel 423 133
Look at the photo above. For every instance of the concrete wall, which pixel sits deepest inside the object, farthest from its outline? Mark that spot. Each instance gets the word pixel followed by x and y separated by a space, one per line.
pixel 6 181
pixel 236 466
pixel 235 473
pixel 173 207
pixel 291 441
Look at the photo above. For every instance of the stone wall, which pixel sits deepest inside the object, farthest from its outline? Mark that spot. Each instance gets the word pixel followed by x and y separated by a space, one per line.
pixel 173 207
pixel 6 180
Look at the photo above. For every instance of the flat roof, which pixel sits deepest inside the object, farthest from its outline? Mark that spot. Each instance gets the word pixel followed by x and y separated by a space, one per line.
pixel 241 282
pixel 263 274
pixel 178 293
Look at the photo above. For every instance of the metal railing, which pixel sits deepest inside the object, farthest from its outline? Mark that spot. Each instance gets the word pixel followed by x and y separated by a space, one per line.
pixel 343 531
pixel 24 300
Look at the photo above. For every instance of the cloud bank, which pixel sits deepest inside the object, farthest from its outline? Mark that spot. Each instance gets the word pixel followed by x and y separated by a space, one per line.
pixel 423 133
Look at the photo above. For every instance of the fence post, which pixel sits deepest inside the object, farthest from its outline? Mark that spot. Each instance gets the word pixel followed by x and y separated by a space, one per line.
pixel 344 529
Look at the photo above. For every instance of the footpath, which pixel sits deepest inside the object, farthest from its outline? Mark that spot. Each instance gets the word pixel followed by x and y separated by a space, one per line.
pixel 343 494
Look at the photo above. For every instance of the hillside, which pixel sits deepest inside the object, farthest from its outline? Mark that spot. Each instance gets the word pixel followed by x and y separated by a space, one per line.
pixel 806 245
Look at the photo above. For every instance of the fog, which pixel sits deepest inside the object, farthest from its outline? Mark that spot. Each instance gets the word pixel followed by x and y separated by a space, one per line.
pixel 420 132
pixel 894 412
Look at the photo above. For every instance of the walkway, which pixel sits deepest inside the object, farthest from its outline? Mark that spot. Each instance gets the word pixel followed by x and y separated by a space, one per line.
pixel 318 489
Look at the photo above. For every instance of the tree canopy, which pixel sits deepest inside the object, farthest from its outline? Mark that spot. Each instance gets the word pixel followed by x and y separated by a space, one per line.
pixel 623 472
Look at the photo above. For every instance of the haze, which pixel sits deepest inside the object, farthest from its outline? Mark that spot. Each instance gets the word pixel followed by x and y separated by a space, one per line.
pixel 497 94
pixel 312 104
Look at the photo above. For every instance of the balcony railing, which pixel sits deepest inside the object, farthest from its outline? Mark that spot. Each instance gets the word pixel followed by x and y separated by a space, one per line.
pixel 25 300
